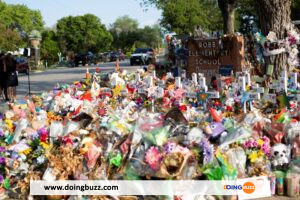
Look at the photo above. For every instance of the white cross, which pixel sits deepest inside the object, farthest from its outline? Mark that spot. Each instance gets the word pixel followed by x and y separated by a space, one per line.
pixel 178 82
pixel 258 89
pixel 194 78
pixel 183 74
pixel 213 95
pixel 242 82
pixel 294 81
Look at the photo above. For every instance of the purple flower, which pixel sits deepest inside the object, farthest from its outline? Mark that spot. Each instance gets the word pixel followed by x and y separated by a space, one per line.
pixel 169 147
pixel 208 151
pixel 1 133
pixel 2 160
pixel 1 178
pixel 2 149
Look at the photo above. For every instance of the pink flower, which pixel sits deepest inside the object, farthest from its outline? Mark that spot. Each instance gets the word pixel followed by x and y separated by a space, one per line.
pixel 292 40
pixel 92 156
pixel 254 143
pixel 246 144
pixel 153 158
pixel 266 149
pixel 266 139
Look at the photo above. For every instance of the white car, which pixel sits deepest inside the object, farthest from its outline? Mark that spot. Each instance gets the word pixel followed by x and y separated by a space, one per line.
pixel 142 56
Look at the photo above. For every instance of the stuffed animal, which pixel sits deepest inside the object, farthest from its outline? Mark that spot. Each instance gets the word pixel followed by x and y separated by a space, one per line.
pixel 280 155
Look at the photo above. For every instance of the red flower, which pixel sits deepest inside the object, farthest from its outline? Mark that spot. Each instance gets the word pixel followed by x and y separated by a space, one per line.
pixel 182 108
pixel 43 137
pixel 67 140
pixel 229 108
pixel 130 90
pixel 102 112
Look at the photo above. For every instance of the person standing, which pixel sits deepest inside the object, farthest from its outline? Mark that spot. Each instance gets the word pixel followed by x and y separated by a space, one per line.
pixel 3 77
pixel 12 76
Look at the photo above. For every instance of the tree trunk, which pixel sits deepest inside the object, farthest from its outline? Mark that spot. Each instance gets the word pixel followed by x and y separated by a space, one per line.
pixel 275 15
pixel 227 8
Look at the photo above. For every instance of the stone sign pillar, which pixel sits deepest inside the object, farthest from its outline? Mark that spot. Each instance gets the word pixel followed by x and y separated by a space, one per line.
pixel 213 56
pixel 35 40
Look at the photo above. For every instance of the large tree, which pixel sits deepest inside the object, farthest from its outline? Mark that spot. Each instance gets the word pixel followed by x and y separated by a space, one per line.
pixel 127 34
pixel 228 8
pixel 275 15
pixel 10 40
pixel 183 16
pixel 21 18
pixel 83 33
pixel 49 47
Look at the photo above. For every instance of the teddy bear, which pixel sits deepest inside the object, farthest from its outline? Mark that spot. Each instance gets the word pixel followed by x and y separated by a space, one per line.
pixel 280 155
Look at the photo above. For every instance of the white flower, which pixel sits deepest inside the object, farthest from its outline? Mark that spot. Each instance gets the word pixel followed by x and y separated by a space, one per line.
pixel 40 159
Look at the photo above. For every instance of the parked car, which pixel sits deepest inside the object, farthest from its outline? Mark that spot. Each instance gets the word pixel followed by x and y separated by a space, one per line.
pixel 142 56
pixel 84 58
pixel 113 56
pixel 22 65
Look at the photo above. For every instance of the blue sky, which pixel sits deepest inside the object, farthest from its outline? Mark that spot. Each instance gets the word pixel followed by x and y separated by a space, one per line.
pixel 107 10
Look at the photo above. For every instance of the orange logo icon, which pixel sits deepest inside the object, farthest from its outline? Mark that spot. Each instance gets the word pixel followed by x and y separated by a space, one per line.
pixel 248 187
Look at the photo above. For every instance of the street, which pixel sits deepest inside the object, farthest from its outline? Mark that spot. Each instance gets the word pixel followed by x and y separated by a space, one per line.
pixel 43 81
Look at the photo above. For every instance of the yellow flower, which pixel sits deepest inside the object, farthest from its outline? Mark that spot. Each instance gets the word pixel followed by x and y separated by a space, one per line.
pixel 45 145
pixel 26 151
pixel 9 125
pixel 260 153
pixel 248 88
pixel 253 156
pixel 117 91
pixel 260 142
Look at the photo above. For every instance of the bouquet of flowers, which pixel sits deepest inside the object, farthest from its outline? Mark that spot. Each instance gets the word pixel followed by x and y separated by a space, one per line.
pixel 257 150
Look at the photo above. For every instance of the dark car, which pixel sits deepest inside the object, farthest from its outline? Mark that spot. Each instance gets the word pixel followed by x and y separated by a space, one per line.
pixel 22 65
pixel 143 56
pixel 113 56
pixel 84 58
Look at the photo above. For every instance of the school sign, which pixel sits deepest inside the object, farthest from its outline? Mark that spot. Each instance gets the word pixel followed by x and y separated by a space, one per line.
pixel 215 56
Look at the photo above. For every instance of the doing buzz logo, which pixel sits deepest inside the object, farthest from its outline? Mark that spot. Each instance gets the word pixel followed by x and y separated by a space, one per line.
pixel 248 187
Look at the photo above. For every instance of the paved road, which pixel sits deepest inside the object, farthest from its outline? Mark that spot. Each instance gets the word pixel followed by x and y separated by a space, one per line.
pixel 42 81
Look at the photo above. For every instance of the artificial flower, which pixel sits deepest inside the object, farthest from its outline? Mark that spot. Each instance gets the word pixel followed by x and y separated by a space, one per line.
pixel 9 125
pixel 67 140
pixel 45 145
pixel 43 135
pixel 260 142
pixel 208 151
pixel 253 156
pixel 117 91
pixel 260 153
pixel 169 147
pixel 153 158
pixel 26 151
pixel 41 159
pixel 2 160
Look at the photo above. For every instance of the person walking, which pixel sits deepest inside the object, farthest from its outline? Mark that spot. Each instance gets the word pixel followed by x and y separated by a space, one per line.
pixel 12 77
pixel 3 77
